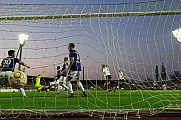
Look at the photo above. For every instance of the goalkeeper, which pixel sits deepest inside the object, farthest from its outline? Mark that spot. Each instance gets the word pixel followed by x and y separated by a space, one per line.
pixel 38 86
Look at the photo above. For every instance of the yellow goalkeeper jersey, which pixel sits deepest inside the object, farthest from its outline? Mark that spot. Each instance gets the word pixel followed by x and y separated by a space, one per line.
pixel 38 80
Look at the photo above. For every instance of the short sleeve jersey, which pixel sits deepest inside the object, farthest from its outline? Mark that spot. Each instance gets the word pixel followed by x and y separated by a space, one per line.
pixel 8 64
pixel 76 65
pixel 121 75
pixel 38 80
pixel 63 68
pixel 58 74
pixel 106 71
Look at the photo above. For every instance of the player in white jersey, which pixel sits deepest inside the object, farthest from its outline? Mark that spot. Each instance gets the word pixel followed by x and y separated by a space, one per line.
pixel 121 79
pixel 106 76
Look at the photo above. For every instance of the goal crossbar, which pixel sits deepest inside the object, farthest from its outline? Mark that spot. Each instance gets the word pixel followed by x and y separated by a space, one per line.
pixel 92 15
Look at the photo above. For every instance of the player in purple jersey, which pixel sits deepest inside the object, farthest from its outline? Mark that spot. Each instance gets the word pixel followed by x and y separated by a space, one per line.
pixel 74 69
pixel 61 75
pixel 8 66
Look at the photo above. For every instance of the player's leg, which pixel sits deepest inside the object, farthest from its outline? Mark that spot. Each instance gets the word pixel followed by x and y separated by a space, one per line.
pixel 7 76
pixel 108 86
pixel 109 83
pixel 59 85
pixel 53 83
pixel 22 90
pixel 105 84
pixel 64 83
pixel 40 88
pixel 69 84
pixel 59 89
pixel 71 74
pixel 121 83
pixel 2 78
pixel 80 84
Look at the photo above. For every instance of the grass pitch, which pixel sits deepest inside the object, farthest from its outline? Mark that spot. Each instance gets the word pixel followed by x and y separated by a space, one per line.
pixel 126 99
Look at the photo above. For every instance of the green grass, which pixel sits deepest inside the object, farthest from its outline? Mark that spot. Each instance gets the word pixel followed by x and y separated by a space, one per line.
pixel 126 99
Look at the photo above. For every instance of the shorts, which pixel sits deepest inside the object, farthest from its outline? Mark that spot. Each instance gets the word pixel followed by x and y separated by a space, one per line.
pixel 4 74
pixel 73 74
pixel 62 79
pixel 108 77
pixel 5 77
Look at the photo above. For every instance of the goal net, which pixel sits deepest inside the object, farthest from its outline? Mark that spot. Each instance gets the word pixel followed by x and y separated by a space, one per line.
pixel 139 39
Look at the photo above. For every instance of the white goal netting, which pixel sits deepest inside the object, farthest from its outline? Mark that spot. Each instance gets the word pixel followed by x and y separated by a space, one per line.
pixel 140 39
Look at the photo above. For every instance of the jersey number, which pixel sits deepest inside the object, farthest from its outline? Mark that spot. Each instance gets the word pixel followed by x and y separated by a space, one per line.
pixel 7 62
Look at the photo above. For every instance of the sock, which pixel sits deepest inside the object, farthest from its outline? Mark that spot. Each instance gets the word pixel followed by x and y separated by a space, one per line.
pixel 80 86
pixel 22 91
pixel 65 86
pixel 70 86
pixel 59 88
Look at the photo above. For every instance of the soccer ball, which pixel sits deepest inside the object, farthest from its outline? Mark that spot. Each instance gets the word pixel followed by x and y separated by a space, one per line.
pixel 18 79
pixel 17 75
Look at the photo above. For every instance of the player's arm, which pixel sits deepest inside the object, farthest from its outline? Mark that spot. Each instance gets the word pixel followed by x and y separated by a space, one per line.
pixel 103 75
pixel 1 66
pixel 39 77
pixel 65 70
pixel 41 74
pixel 71 63
pixel 24 64
pixel 62 72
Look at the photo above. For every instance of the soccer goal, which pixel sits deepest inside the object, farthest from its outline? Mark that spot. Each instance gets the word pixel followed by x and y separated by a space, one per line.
pixel 137 39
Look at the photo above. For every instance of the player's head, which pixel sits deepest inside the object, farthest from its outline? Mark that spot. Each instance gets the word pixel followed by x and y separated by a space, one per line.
pixel 58 67
pixel 71 46
pixel 103 65
pixel 11 53
pixel 65 59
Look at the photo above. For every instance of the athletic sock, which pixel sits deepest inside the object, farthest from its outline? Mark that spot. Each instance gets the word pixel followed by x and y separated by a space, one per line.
pixel 80 86
pixel 65 86
pixel 59 89
pixel 70 86
pixel 22 91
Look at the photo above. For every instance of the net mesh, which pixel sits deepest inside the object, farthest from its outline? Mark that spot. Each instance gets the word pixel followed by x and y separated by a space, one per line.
pixel 134 37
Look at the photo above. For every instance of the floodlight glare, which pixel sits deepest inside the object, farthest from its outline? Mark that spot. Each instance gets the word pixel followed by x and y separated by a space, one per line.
pixel 23 38
pixel 177 34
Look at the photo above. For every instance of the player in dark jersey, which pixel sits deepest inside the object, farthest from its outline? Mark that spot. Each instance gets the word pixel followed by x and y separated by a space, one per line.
pixel 74 69
pixel 61 75
pixel 8 65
